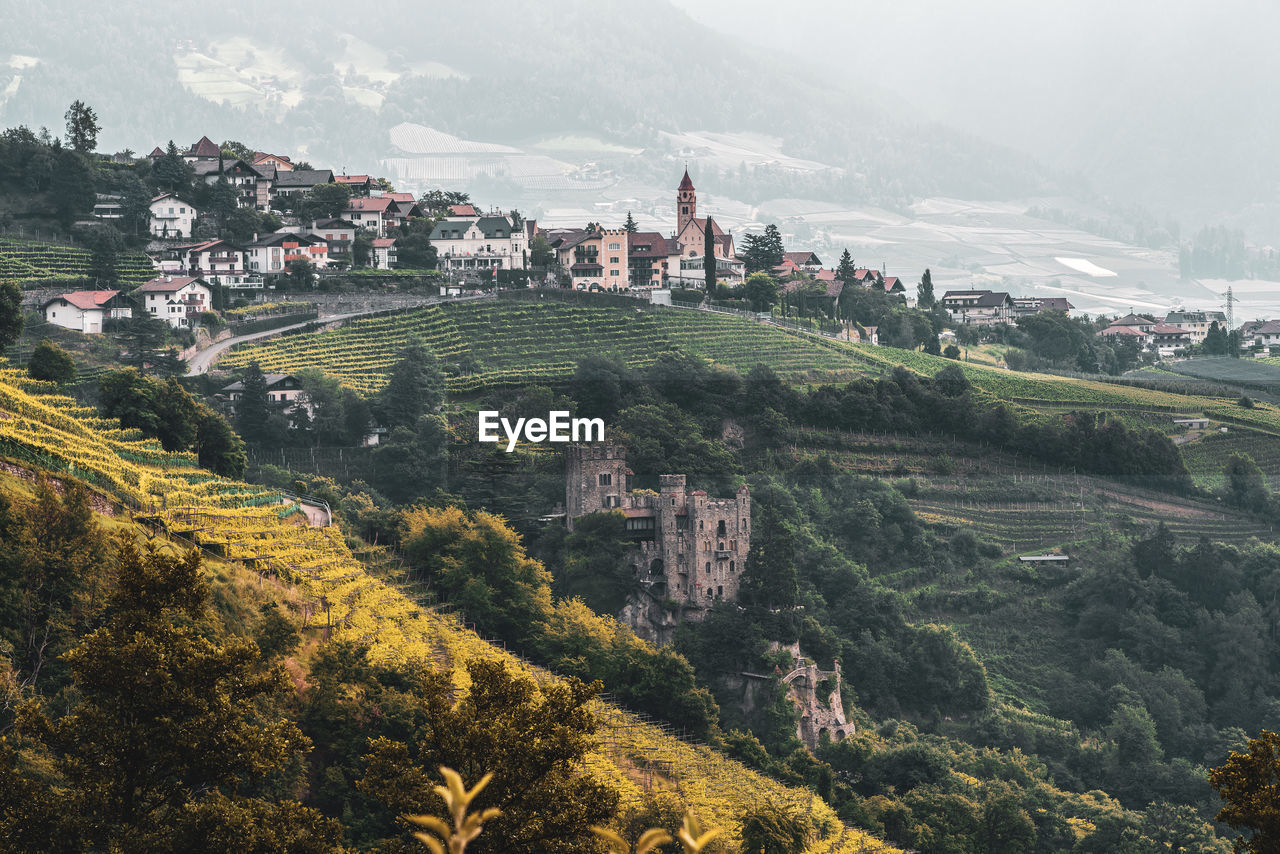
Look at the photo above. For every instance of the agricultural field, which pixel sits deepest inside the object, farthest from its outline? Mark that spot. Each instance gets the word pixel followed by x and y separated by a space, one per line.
pixel 1249 372
pixel 1206 457
pixel 261 531
pixel 32 264
pixel 510 342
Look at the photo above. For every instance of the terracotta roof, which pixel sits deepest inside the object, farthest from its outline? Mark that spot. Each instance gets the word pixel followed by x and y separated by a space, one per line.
pixel 890 282
pixel 463 210
pixel 166 284
pixel 383 242
pixel 1125 330
pixel 156 152
pixel 685 182
pixel 372 203
pixel 204 148
pixel 802 259
pixel 825 275
pixel 84 299
pixel 352 179
pixel 400 197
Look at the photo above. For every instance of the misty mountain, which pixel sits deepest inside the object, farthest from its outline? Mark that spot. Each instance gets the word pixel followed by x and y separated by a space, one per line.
pixel 329 80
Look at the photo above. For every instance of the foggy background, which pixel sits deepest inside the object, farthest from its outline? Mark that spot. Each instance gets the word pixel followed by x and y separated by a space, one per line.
pixel 1119 153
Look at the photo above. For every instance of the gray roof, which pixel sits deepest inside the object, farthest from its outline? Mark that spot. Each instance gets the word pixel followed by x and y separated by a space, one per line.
pixel 304 177
pixel 271 379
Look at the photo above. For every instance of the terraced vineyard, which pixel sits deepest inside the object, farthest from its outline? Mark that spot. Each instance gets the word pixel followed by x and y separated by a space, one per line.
pixel 517 342
pixel 260 531
pixel 1206 458
pixel 32 264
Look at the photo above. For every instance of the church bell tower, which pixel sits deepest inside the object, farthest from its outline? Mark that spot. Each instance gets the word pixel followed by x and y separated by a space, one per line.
pixel 686 203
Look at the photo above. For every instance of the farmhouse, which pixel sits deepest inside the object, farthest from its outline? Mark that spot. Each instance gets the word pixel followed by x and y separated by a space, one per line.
pixel 177 300
pixel 84 311
pixel 281 388
pixel 978 307
pixel 172 216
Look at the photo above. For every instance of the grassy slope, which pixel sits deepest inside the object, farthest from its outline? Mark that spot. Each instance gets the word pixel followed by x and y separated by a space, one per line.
pixel 255 532
pixel 35 264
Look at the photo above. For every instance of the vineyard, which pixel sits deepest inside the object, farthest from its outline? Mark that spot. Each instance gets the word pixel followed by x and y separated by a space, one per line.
pixel 31 264
pixel 263 532
pixel 510 343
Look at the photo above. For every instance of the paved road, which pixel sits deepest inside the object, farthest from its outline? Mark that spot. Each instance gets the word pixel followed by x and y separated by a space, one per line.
pixel 201 362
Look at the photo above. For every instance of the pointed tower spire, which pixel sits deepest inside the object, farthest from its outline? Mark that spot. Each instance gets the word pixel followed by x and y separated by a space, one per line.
pixel 686 202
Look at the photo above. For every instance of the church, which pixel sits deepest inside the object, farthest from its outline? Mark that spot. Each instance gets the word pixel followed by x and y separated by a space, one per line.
pixel 690 240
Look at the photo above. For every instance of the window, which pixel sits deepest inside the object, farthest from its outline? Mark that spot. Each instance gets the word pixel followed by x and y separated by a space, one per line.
pixel 613 272
pixel 731 569
pixel 684 209
pixel 606 478
pixel 719 590
pixel 614 247
pixel 613 260
pixel 708 566
pixel 699 524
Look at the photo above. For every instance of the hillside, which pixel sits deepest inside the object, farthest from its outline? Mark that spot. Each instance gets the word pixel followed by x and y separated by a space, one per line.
pixel 36 264
pixel 514 342
pixel 260 531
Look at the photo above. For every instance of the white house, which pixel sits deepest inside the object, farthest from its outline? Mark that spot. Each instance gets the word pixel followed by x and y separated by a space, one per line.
pixel 384 253
pixel 281 388
pixel 84 311
pixel 171 216
pixel 176 300
pixel 217 260
pixel 485 242
pixel 338 233
pixel 272 253
pixel 375 213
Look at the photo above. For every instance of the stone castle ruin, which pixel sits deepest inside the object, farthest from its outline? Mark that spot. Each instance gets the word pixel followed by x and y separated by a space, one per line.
pixel 690 549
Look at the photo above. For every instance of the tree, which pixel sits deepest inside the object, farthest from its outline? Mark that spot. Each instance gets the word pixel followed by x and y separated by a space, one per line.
pixel 171 170
pixel 764 251
pixel 771 829
pixel 595 568
pixel 82 127
pixel 71 186
pixel 846 268
pixel 253 408
pixel 762 290
pixel 302 274
pixel 709 256
pixel 924 293
pixel 324 200
pixel 630 226
pixel 414 461
pixel 216 445
pixel 168 723
pixel 10 314
pixel 1215 340
pixel 1246 487
pixel 415 387
pixel 105 245
pixel 1249 785
pixel 533 737
pixel 51 363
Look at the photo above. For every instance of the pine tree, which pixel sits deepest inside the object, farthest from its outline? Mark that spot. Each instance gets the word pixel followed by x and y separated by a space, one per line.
pixel 846 268
pixel 415 388
pixel 630 226
pixel 924 294
pixel 709 259
pixel 253 409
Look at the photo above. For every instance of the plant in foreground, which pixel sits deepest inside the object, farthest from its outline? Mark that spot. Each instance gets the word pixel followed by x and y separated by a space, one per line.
pixel 453 840
pixel 691 836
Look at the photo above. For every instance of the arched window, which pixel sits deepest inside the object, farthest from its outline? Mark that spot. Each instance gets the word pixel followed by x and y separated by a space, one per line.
pixel 708 566
pixel 731 569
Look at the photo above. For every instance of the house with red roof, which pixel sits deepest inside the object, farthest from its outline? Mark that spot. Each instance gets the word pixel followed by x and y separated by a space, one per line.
pixel 85 311
pixel 383 254
pixel 218 260
pixel 463 210
pixel 177 300
pixel 359 185
pixel 274 162
pixel 205 149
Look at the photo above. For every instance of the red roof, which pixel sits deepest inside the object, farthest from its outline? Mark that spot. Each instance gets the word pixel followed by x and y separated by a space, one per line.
pixel 825 275
pixel 801 259
pixel 166 284
pixel 400 197
pixel 383 242
pixel 374 203
pixel 156 152
pixel 85 299
pixel 205 148
pixel 1165 329
pixel 351 179
pixel 890 282
pixel 1124 330
pixel 685 183
pixel 463 210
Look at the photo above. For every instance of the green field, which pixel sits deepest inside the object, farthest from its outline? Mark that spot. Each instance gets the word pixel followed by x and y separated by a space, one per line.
pixel 509 342
pixel 33 264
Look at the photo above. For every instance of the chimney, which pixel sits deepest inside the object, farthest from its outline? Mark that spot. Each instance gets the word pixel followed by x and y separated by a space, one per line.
pixel 168 278
pixel 255 237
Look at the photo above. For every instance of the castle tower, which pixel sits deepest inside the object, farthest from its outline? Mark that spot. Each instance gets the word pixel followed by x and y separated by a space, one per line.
pixel 686 202
pixel 595 479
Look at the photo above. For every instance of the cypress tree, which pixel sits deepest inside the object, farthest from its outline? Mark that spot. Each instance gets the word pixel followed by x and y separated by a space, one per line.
pixel 709 259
